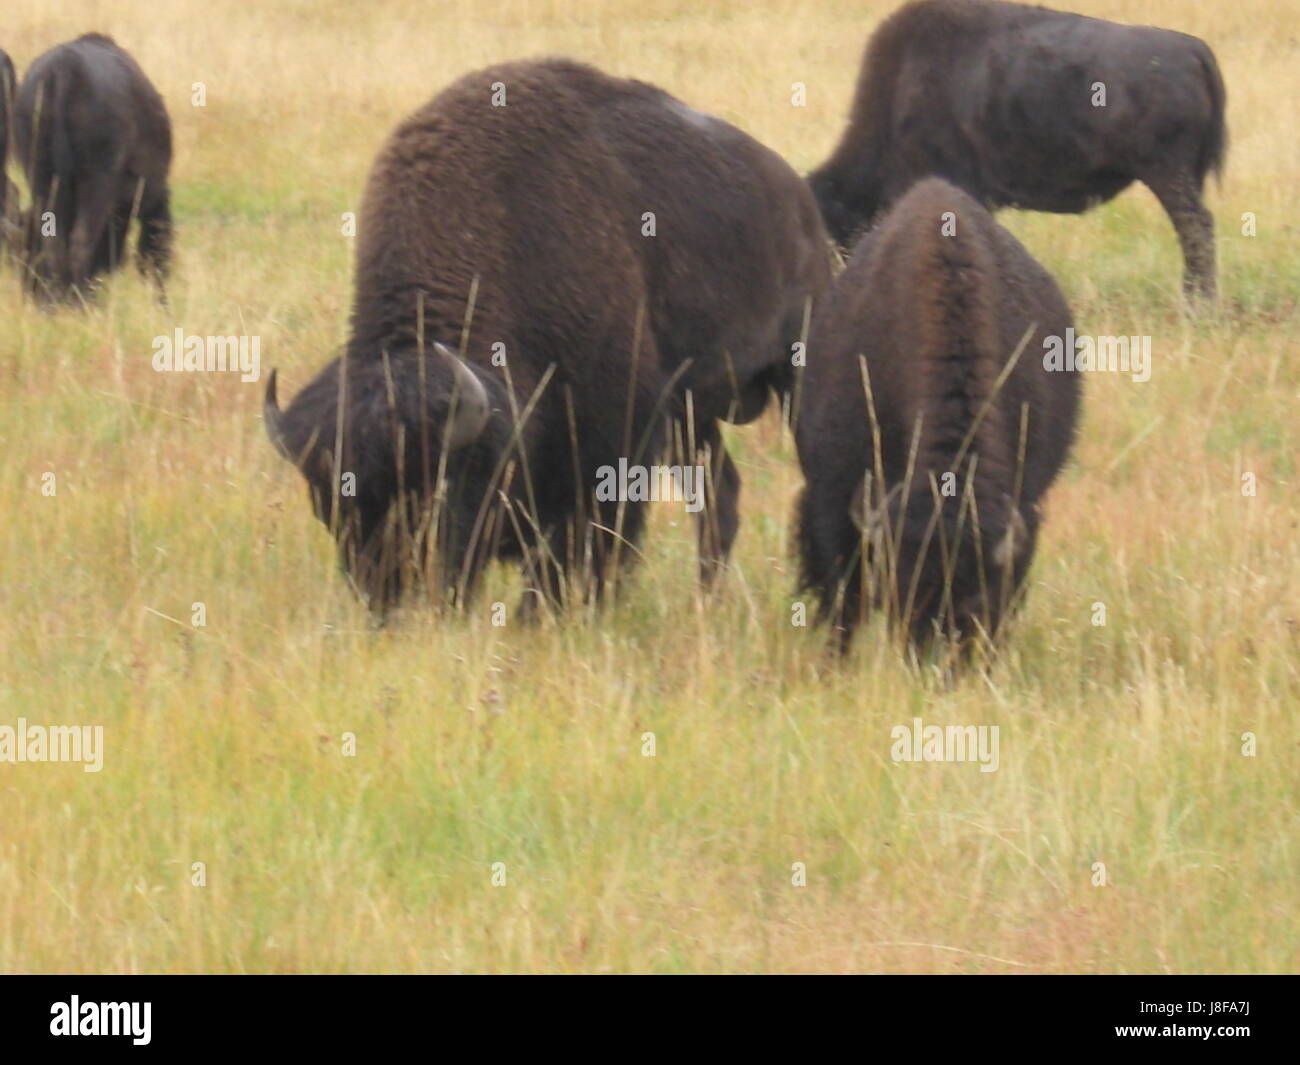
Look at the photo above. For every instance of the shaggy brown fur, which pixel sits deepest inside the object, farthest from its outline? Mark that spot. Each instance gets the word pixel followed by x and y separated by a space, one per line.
pixel 518 235
pixel 999 99
pixel 934 313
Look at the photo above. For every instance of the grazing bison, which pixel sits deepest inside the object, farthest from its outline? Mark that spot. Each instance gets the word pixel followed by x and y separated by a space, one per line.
pixel 556 270
pixel 922 447
pixel 1026 107
pixel 95 141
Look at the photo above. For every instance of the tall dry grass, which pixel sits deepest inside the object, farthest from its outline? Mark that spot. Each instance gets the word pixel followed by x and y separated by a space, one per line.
pixel 478 745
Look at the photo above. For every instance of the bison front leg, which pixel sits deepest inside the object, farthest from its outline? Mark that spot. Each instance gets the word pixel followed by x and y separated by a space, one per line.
pixel 1194 224
pixel 718 518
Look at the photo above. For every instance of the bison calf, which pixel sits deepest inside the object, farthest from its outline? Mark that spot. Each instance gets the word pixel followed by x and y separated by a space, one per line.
pixel 929 427
pixel 1026 107
pixel 96 144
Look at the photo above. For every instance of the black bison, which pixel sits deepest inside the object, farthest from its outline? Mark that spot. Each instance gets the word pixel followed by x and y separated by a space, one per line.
pixel 556 270
pixel 1026 107
pixel 95 141
pixel 926 448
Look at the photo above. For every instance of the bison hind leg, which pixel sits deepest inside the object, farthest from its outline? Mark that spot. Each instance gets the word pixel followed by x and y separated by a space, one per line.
pixel 154 248
pixel 1180 196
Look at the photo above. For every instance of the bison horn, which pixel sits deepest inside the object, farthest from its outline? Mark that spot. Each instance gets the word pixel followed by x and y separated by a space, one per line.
pixel 858 504
pixel 273 418
pixel 469 415
pixel 1013 541
pixel 869 523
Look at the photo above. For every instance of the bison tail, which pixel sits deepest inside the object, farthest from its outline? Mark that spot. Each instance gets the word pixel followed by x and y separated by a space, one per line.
pixel 1214 149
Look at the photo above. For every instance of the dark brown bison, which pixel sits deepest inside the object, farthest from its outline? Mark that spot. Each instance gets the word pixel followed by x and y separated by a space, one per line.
pixel 555 270
pixel 96 144
pixel 926 448
pixel 1026 107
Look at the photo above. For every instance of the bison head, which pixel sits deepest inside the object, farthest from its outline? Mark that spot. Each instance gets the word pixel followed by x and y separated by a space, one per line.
pixel 942 576
pixel 371 437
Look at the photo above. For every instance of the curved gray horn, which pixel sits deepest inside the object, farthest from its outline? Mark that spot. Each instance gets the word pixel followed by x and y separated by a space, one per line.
pixel 871 522
pixel 469 415
pixel 858 504
pixel 1014 540
pixel 273 418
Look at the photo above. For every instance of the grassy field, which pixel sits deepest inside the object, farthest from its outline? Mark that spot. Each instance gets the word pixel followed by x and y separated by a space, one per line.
pixel 476 745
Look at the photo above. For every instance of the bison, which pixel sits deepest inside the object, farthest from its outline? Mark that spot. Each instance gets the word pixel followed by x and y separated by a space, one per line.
pixel 96 144
pixel 555 270
pixel 930 425
pixel 1026 107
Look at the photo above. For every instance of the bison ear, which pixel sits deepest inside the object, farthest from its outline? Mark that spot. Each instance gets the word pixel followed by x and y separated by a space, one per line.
pixel 873 521
pixel 858 505
pixel 1013 542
